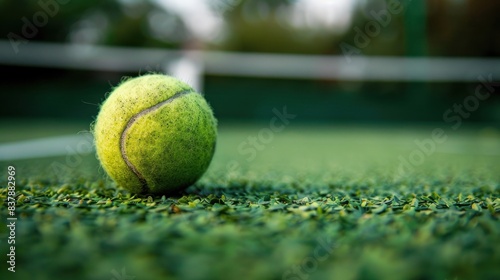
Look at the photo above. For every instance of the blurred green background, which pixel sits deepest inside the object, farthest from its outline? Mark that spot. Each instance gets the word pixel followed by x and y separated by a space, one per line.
pixel 431 29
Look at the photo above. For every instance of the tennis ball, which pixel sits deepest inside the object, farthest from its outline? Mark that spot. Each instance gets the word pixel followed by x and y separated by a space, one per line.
pixel 155 134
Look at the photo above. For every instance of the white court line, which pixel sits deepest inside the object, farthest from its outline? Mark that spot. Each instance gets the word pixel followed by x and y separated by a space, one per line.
pixel 83 144
pixel 47 147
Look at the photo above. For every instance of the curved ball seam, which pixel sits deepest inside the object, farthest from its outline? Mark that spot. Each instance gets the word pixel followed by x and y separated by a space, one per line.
pixel 133 119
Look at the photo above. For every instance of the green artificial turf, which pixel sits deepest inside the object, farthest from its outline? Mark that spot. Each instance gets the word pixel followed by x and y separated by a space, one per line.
pixel 314 203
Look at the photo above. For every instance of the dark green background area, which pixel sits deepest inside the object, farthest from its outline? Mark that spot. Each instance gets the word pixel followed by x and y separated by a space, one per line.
pixel 76 95
pixel 430 29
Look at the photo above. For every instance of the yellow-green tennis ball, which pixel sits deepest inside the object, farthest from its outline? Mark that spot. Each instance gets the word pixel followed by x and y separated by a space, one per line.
pixel 155 134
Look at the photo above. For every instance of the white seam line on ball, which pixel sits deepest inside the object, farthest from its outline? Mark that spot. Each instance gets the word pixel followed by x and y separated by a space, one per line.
pixel 132 120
